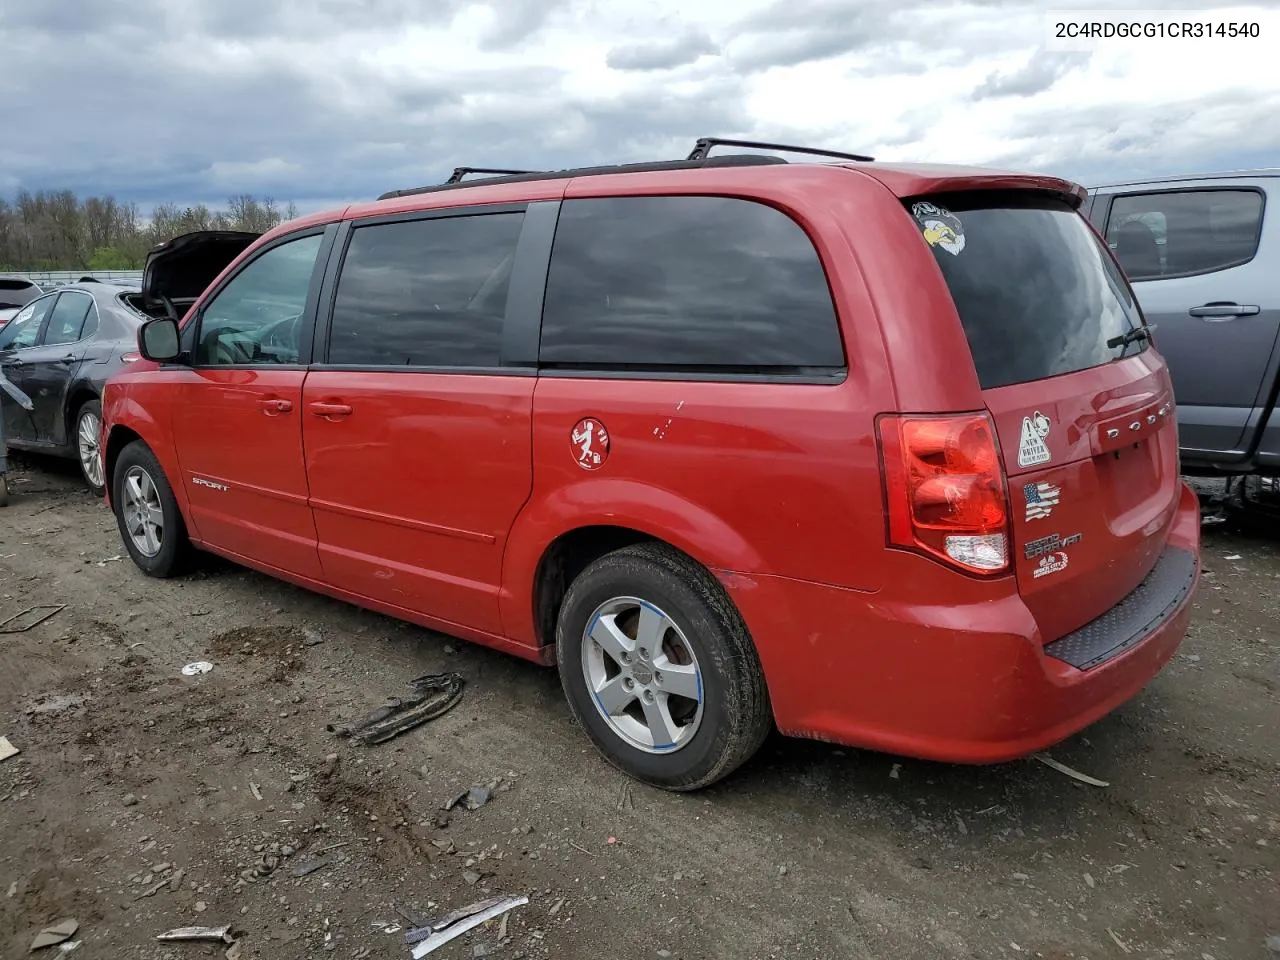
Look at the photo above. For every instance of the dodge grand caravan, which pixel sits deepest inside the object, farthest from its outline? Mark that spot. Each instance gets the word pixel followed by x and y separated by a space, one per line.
pixel 879 454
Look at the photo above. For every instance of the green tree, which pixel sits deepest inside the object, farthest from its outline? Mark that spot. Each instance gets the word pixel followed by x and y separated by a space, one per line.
pixel 109 258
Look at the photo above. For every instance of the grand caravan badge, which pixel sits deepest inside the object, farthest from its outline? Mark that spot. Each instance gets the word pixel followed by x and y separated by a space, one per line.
pixel 941 227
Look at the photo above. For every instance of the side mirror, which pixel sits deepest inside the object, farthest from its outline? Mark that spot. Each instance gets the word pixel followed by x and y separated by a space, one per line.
pixel 158 340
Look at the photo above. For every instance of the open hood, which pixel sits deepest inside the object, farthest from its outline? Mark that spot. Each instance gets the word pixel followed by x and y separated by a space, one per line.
pixel 180 269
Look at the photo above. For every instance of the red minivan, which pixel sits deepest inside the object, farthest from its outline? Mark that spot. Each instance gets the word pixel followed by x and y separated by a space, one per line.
pixel 880 454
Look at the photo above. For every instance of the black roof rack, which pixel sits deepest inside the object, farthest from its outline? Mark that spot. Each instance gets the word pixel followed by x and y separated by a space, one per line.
pixel 460 172
pixel 698 157
pixel 702 149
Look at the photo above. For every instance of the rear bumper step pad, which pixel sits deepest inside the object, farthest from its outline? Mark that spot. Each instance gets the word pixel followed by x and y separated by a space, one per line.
pixel 1133 618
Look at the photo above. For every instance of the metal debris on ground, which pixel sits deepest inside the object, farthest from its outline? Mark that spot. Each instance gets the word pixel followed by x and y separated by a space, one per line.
pixel 473 798
pixel 310 867
pixel 200 666
pixel 105 560
pixel 24 620
pixel 7 749
pixel 215 934
pixel 434 695
pixel 255 790
pixel 426 939
pixel 55 934
pixel 1048 761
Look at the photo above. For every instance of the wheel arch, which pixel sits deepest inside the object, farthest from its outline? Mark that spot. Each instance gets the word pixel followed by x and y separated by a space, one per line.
pixel 556 537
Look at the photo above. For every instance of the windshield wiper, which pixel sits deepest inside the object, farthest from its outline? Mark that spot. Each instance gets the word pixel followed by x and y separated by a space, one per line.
pixel 1132 335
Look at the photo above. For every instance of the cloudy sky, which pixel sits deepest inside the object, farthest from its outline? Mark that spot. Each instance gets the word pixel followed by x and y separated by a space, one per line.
pixel 325 101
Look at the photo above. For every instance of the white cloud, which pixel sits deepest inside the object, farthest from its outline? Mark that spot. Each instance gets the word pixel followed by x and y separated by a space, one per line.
pixel 332 100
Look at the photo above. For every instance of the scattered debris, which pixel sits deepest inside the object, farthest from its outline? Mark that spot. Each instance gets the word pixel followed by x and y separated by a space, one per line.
pixel 1234 556
pixel 426 939
pixel 175 882
pixel 502 927
pixel 472 799
pixel 55 703
pixel 24 620
pixel 471 877
pixel 200 666
pixel 152 890
pixel 1089 881
pixel 410 917
pixel 255 790
pixel 1048 761
pixel 310 867
pixel 311 638
pixel 894 771
pixel 116 559
pixel 13 889
pixel 1119 943
pixel 435 695
pixel 582 849
pixel 129 800
pixel 7 749
pixel 215 934
pixel 556 907
pixel 55 934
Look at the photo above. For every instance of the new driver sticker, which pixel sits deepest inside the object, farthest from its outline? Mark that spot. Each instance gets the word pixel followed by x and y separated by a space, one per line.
pixel 1032 449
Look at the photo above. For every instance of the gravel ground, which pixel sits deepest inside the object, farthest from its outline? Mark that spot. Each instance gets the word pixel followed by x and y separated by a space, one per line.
pixel 144 799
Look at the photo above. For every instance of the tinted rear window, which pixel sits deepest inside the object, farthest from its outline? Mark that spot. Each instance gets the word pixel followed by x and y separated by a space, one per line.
pixel 1036 290
pixel 17 293
pixel 686 284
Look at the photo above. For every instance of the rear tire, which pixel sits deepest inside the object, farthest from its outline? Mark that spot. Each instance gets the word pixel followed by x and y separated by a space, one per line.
pixel 87 436
pixel 659 669
pixel 147 513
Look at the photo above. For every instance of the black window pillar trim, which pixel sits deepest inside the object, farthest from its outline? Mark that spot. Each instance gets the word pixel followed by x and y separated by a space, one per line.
pixel 527 289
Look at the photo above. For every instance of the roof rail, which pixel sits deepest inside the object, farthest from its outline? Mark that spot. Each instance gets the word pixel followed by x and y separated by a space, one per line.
pixel 727 160
pixel 702 149
pixel 460 172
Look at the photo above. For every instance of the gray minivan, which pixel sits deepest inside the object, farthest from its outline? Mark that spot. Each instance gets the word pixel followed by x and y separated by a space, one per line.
pixel 1203 254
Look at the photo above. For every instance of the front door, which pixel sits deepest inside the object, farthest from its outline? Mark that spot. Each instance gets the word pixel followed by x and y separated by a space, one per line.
pixel 1192 257
pixel 17 340
pixel 49 365
pixel 238 421
pixel 418 442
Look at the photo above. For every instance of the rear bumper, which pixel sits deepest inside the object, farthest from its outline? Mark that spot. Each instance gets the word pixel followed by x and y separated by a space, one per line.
pixel 907 672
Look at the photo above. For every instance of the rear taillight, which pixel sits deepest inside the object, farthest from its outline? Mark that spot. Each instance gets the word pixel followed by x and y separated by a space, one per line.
pixel 945 490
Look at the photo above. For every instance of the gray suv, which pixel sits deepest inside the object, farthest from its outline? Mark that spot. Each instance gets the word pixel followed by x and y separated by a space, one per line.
pixel 1203 254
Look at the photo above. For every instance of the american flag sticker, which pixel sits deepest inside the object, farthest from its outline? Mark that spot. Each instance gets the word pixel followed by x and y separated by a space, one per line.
pixel 1041 499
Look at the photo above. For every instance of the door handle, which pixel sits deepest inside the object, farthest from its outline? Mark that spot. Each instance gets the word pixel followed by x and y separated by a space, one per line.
pixel 324 409
pixel 275 407
pixel 1217 312
pixel 68 359
pixel 15 362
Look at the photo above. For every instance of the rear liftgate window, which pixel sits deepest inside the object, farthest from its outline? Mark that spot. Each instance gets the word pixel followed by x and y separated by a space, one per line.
pixel 1036 290
pixel 687 284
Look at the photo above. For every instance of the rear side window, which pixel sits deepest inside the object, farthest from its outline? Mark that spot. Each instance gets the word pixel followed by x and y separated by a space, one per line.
pixel 425 293
pixel 1036 290
pixel 686 283
pixel 1182 232
pixel 68 319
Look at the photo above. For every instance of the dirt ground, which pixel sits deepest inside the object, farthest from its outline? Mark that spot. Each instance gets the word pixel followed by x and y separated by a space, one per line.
pixel 144 799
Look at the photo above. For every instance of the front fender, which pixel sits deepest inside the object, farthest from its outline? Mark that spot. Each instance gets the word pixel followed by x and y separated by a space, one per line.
pixel 653 511
pixel 124 418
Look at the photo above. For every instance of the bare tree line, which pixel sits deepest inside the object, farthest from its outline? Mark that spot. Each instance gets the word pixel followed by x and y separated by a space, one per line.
pixel 55 230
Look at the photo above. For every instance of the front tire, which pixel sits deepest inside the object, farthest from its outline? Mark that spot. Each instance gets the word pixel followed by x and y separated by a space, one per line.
pixel 659 669
pixel 147 513
pixel 87 435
